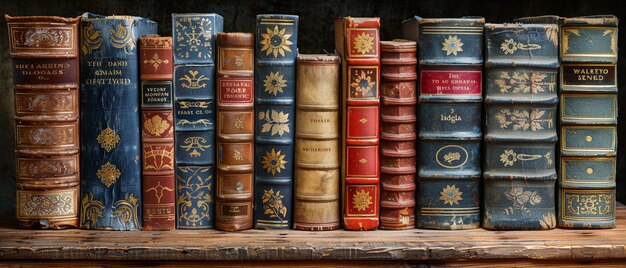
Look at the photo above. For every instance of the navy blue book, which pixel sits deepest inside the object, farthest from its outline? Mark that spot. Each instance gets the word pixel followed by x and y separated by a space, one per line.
pixel 521 99
pixel 274 89
pixel 194 116
pixel 449 120
pixel 110 124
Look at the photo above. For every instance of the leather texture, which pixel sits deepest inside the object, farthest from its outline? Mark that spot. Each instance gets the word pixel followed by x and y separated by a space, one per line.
pixel 44 54
pixel 157 133
pixel 194 56
pixel 521 101
pixel 235 132
pixel 110 121
pixel 317 146
pixel 398 128
pixel 358 43
pixel 276 47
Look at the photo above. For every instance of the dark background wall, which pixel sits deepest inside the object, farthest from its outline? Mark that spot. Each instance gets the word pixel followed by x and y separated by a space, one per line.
pixel 316 33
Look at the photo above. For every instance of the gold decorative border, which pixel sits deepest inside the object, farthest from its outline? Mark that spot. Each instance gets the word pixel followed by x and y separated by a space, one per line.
pixel 596 159
pixel 614 96
pixel 582 149
pixel 375 205
pixel 562 84
pixel 588 219
pixel 565 42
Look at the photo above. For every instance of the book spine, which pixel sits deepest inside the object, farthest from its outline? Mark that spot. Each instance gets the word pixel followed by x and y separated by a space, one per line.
pixel 275 85
pixel 520 103
pixel 397 145
pixel 110 128
pixel 194 106
pixel 317 147
pixel 588 117
pixel 450 118
pixel 235 131
pixel 357 40
pixel 44 56
pixel 157 133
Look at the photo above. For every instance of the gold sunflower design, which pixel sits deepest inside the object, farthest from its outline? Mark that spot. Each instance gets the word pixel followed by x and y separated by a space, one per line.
pixel 509 46
pixel 363 43
pixel 274 83
pixel 452 45
pixel 450 195
pixel 362 85
pixel 361 200
pixel 274 161
pixel 275 42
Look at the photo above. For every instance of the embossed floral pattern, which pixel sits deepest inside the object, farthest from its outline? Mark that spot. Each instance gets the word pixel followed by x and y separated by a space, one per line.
pixel 122 37
pixel 108 174
pixel 520 199
pixel 524 119
pixel 510 46
pixel 156 125
pixel 363 43
pixel 275 122
pixel 91 38
pixel 275 42
pixel 273 205
pixel 362 83
pixel 108 139
pixel 452 45
pixel 274 83
pixel 274 161
pixel 523 82
pixel 450 195
pixel 361 200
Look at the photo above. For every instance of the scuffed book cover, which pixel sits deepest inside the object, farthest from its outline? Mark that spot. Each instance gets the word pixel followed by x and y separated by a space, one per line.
pixel 521 102
pixel 398 153
pixel 235 132
pixel 157 133
pixel 194 50
pixel 317 146
pixel 110 121
pixel 276 48
pixel 449 120
pixel 44 56
pixel 588 117
pixel 358 43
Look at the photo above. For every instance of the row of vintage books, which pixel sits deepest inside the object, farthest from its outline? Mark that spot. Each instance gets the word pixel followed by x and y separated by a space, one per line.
pixel 452 127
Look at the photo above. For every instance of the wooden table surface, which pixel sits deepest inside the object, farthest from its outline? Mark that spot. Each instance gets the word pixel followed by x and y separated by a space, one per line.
pixel 410 246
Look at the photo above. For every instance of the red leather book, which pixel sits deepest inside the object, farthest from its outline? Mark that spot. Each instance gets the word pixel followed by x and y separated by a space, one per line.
pixel 235 131
pixel 157 133
pixel 397 135
pixel 357 41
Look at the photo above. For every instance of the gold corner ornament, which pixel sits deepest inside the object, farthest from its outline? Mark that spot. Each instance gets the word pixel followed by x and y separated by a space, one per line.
pixel 274 83
pixel 122 37
pixel 363 43
pixel 274 161
pixel 361 200
pixel 510 46
pixel 108 139
pixel 451 195
pixel 108 174
pixel 275 42
pixel 452 45
pixel 91 38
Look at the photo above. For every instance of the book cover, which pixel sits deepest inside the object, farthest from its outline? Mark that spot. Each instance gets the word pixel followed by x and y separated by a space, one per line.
pixel 194 56
pixel 317 145
pixel 44 57
pixel 520 101
pixel 157 133
pixel 110 128
pixel 358 43
pixel 276 48
pixel 235 132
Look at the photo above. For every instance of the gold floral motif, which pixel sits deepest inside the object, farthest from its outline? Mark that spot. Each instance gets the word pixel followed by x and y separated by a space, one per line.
pixel 362 84
pixel 239 60
pixel 450 195
pixel 91 39
pixel 452 45
pixel 194 81
pixel 158 190
pixel 509 157
pixel 156 125
pixel 203 121
pixel 156 61
pixel 237 155
pixel 548 221
pixel 363 43
pixel 196 145
pixel 510 46
pixel 91 210
pixel 520 199
pixel 552 34
pixel 451 157
pixel 275 42
pixel 122 37
pixel 52 204
pixel 274 83
pixel 126 211
pixel 273 205
pixel 108 139
pixel 521 82
pixel 361 200
pixel 193 196
pixel 274 161
pixel 239 122
pixel 193 37
pixel 524 119
pixel 589 204
pixel 276 122
pixel 108 174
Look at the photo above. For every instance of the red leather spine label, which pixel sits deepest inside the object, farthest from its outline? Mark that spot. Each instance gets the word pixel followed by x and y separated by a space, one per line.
pixel 449 82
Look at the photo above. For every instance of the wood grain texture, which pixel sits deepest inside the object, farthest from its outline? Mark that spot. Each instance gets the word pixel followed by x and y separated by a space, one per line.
pixel 415 245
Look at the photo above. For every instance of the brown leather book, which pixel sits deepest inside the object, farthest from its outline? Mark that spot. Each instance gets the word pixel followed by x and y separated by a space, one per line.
pixel 235 131
pixel 397 155
pixel 157 133
pixel 317 143
pixel 44 52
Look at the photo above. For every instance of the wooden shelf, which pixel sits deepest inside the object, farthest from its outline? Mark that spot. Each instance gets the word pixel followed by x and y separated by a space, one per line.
pixel 413 246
